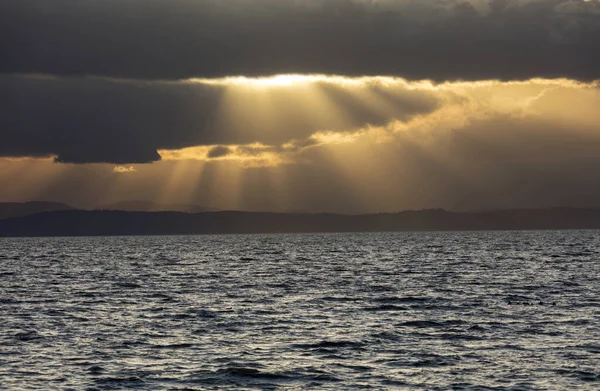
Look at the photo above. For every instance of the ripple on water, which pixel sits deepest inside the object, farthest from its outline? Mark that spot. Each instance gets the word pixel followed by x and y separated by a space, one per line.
pixel 434 311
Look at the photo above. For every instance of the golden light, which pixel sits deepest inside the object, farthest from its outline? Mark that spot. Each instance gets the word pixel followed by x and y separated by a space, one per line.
pixel 124 169
pixel 274 125
pixel 293 79
pixel 273 81
pixel 248 155
pixel 284 80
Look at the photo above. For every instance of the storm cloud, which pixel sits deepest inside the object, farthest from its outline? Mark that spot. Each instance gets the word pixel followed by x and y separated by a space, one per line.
pixel 88 120
pixel 179 39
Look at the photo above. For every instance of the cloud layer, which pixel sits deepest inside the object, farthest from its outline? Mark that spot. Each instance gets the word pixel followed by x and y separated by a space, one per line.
pixel 424 39
pixel 461 104
pixel 467 146
pixel 96 120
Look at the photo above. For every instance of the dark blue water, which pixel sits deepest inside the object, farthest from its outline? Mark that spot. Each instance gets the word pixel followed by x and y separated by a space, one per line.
pixel 472 311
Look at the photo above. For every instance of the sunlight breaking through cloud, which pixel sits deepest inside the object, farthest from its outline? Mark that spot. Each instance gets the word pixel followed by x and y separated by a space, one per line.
pixel 306 141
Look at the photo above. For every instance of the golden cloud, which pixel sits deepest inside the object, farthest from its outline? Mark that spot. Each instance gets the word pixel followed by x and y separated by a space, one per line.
pixel 124 170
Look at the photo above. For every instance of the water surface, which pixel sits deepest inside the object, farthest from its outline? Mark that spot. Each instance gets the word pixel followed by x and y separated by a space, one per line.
pixel 435 311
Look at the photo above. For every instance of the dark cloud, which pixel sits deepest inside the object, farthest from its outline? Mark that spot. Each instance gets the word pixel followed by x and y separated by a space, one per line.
pixel 173 39
pixel 86 120
pixel 219 151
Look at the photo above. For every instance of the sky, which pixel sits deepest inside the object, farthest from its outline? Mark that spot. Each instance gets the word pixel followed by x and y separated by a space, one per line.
pixel 346 106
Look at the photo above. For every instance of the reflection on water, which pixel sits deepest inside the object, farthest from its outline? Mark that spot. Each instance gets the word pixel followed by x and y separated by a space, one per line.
pixel 496 310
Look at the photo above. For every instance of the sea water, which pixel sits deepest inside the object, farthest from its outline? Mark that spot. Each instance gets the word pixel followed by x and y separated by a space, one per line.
pixel 431 311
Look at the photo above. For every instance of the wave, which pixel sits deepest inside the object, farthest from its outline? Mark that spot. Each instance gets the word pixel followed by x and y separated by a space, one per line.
pixel 329 345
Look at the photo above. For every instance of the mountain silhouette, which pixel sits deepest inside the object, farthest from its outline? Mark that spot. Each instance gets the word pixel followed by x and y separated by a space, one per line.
pixel 94 223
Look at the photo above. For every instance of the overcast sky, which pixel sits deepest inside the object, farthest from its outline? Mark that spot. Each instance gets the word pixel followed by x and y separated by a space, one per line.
pixel 320 105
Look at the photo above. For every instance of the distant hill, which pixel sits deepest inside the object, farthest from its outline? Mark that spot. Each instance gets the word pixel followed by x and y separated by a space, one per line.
pixel 77 223
pixel 150 206
pixel 16 209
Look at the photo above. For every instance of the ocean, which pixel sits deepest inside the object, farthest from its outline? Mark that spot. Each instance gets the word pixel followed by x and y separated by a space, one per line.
pixel 417 311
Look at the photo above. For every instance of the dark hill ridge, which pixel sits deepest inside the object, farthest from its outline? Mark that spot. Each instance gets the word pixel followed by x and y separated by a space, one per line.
pixel 16 209
pixel 96 223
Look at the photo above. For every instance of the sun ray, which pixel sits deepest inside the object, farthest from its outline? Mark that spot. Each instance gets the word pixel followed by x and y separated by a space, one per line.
pixel 181 177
